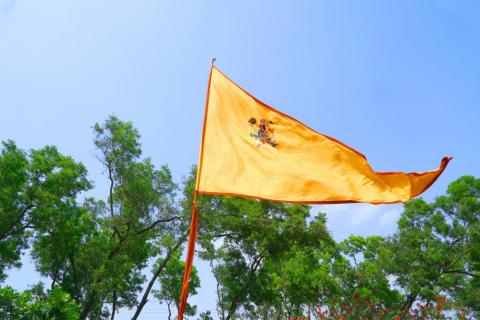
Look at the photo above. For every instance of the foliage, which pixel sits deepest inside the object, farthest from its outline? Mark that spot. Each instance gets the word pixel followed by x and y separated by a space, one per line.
pixel 34 188
pixel 207 315
pixel 14 205
pixel 436 248
pixel 36 304
pixel 363 276
pixel 94 250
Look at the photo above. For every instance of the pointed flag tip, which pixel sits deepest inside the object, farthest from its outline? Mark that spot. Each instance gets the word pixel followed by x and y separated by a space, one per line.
pixel 446 160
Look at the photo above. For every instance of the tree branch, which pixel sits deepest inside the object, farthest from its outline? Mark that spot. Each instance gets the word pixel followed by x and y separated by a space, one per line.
pixel 112 213
pixel 155 276
pixel 475 275
pixel 75 277
pixel 11 229
pixel 253 268
pixel 156 223
pixel 114 304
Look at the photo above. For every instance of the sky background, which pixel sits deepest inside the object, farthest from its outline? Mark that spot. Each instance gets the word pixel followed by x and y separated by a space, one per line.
pixel 397 80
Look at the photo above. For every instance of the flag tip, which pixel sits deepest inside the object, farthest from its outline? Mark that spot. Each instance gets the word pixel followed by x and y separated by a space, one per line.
pixel 213 61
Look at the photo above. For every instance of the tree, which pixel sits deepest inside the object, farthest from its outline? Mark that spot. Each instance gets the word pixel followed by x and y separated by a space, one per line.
pixel 435 250
pixel 434 253
pixel 96 250
pixel 35 187
pixel 140 209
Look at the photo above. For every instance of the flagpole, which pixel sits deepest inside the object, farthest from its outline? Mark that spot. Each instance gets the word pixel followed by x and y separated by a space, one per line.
pixel 189 260
pixel 194 221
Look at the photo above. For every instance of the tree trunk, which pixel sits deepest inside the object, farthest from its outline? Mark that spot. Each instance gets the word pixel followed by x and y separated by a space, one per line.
pixel 114 304
pixel 410 300
pixel 88 306
pixel 169 310
pixel 99 316
pixel 235 301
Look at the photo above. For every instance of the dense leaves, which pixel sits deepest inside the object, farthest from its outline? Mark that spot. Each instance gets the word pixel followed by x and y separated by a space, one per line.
pixel 14 204
pixel 36 304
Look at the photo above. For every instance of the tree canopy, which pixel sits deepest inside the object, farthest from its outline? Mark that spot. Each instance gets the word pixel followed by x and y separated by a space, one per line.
pixel 269 260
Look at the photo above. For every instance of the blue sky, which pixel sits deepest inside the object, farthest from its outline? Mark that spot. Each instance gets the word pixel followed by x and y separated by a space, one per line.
pixel 397 80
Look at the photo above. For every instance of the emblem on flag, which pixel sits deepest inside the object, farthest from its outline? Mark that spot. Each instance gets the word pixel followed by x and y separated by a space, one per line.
pixel 263 132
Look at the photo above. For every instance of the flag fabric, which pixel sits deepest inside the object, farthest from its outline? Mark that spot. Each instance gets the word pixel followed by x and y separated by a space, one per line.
pixel 251 150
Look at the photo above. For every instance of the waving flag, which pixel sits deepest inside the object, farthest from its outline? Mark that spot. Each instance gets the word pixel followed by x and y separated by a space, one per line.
pixel 251 150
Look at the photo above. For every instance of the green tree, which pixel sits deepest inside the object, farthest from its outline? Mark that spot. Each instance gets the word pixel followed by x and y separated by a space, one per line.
pixel 34 187
pixel 95 250
pixel 434 253
pixel 140 210
pixel 436 248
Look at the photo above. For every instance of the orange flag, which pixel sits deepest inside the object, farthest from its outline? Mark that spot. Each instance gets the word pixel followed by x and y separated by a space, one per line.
pixel 251 150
